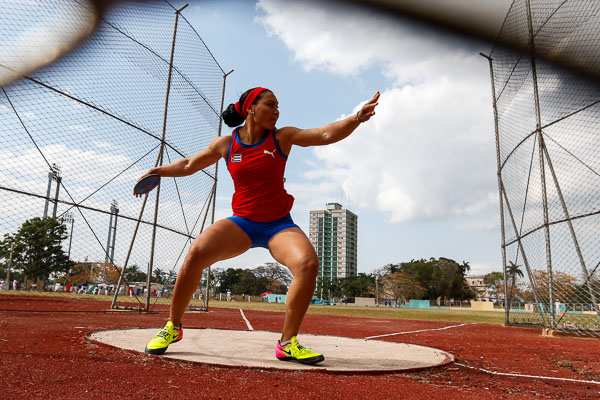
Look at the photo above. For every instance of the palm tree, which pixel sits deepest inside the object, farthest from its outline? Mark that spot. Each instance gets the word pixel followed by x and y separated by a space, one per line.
pixel 514 271
pixel 465 267
pixel 159 276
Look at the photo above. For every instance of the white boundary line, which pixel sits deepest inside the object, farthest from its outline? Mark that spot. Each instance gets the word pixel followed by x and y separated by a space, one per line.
pixel 421 330
pixel 528 376
pixel 250 328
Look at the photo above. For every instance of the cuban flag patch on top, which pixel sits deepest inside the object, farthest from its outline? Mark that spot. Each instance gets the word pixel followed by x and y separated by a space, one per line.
pixel 236 158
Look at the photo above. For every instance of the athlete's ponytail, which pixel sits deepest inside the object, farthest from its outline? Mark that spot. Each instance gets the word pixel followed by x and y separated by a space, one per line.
pixel 235 114
pixel 231 116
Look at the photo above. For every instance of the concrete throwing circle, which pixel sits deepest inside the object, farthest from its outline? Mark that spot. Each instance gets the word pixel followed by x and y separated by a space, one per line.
pixel 257 349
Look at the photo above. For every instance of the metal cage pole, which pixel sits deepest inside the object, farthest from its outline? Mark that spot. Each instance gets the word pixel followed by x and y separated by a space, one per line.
pixel 524 255
pixel 160 161
pixel 571 227
pixel 122 272
pixel 500 184
pixel 542 163
pixel 214 192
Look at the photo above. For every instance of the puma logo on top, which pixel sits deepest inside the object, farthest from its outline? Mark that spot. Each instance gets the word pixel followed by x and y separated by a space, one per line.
pixel 272 153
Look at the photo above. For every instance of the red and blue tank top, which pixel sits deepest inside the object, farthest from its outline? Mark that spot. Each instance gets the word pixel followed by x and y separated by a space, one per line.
pixel 257 171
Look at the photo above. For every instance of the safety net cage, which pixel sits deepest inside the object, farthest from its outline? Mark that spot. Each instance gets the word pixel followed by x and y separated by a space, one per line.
pixel 142 90
pixel 548 147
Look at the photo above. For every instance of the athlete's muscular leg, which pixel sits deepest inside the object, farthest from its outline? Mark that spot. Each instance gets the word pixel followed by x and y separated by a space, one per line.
pixel 292 248
pixel 222 240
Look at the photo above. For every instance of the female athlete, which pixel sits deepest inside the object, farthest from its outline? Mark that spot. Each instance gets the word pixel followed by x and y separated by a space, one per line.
pixel 256 154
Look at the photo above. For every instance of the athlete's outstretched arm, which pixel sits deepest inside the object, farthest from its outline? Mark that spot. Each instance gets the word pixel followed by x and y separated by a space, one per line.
pixel 190 165
pixel 330 133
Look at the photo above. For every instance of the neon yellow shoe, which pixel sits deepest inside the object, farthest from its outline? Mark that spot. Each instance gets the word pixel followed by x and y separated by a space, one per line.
pixel 294 351
pixel 167 335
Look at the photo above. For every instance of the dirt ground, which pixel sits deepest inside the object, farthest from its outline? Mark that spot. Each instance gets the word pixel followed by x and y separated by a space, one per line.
pixel 45 353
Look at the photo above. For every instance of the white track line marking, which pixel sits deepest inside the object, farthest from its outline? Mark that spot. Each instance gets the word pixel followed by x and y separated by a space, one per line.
pixel 528 376
pixel 250 328
pixel 421 330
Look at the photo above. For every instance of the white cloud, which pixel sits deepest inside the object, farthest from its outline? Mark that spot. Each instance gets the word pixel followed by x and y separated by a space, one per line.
pixel 79 128
pixel 103 145
pixel 29 115
pixel 429 153
pixel 86 167
pixel 346 40
pixel 423 156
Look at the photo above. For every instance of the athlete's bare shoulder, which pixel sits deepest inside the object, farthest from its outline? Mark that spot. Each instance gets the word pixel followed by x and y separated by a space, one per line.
pixel 220 145
pixel 286 130
pixel 285 137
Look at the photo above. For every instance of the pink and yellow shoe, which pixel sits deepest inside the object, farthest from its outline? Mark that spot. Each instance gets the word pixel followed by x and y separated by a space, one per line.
pixel 294 351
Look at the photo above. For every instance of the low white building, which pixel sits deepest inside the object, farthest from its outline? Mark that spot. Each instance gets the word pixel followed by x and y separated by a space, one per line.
pixel 476 283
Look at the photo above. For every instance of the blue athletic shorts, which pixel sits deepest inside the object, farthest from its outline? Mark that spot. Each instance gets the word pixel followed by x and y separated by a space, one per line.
pixel 261 232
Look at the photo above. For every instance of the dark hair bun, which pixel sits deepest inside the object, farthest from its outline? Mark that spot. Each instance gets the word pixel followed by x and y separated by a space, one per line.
pixel 231 117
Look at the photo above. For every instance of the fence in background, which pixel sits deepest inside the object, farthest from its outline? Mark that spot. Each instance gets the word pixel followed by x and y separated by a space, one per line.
pixel 76 135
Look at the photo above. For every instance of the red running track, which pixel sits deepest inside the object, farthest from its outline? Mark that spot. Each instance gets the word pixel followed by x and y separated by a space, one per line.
pixel 45 354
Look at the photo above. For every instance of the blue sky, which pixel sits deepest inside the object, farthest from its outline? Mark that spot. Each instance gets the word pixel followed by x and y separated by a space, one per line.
pixel 421 176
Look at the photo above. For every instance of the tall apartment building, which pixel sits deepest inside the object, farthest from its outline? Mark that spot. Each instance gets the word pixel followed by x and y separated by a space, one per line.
pixel 334 234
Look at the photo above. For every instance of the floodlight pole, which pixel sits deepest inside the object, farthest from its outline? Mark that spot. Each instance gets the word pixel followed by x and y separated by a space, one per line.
pixel 54 174
pixel 58 181
pixel 159 160
pixel 69 218
pixel 50 177
pixel 112 233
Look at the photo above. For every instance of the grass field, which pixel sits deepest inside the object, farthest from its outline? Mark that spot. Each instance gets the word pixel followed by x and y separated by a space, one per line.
pixel 464 315
pixel 487 317
pixel 449 315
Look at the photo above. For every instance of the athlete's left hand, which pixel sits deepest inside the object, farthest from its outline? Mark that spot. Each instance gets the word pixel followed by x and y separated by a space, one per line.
pixel 368 109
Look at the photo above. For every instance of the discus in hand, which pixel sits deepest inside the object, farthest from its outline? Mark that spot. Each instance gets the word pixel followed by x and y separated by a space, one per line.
pixel 146 184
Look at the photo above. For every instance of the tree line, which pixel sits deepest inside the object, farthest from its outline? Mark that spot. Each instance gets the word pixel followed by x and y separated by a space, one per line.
pixel 518 287
pixel 36 249
pixel 431 279
pixel 38 254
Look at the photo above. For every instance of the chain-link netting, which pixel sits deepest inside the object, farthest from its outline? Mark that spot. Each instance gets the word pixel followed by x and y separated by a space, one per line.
pixel 549 164
pixel 77 135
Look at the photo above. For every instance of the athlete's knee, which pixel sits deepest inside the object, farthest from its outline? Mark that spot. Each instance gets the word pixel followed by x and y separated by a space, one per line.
pixel 307 268
pixel 198 257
